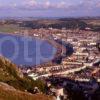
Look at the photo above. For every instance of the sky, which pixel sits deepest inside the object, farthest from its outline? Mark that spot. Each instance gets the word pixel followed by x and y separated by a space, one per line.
pixel 49 8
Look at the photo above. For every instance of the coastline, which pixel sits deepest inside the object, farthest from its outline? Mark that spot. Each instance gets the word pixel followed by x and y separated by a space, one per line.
pixel 59 49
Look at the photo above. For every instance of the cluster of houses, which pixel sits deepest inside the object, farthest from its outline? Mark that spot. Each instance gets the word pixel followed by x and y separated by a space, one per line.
pixel 86 55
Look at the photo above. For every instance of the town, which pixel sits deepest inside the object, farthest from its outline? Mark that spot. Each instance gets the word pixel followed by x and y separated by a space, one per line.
pixel 74 70
pixel 82 65
pixel 49 49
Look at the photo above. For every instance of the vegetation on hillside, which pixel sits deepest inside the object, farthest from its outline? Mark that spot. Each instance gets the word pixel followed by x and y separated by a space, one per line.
pixel 9 93
pixel 59 24
pixel 10 74
pixel 12 26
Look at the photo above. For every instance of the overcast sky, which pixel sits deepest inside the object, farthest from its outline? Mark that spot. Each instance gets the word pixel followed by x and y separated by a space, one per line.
pixel 49 8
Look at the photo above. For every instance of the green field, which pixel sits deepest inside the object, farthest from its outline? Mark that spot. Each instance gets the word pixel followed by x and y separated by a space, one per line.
pixel 11 28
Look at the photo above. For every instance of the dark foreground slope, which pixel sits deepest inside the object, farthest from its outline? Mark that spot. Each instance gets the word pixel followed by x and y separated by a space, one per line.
pixel 13 84
pixel 9 93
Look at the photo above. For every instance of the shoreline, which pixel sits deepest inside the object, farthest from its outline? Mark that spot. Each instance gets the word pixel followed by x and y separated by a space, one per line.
pixel 59 49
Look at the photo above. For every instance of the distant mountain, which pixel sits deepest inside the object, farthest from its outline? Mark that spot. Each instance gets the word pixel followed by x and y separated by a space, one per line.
pixel 58 24
pixel 81 18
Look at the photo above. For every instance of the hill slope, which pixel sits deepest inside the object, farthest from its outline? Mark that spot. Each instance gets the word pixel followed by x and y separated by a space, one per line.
pixel 9 93
pixel 13 84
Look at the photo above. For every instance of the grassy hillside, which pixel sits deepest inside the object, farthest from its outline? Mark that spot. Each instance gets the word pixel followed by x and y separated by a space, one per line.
pixel 59 24
pixel 9 93
pixel 8 71
pixel 10 28
pixel 11 75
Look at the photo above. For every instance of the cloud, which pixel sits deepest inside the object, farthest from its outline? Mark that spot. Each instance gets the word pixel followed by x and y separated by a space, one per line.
pixel 62 4
pixel 30 3
pixel 47 4
pixel 59 6
pixel 98 5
